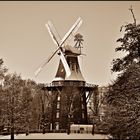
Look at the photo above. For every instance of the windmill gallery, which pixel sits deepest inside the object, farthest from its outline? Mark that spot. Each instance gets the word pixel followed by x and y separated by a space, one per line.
pixel 69 90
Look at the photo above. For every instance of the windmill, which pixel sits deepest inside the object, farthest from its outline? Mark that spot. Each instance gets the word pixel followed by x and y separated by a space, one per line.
pixel 69 89
pixel 60 44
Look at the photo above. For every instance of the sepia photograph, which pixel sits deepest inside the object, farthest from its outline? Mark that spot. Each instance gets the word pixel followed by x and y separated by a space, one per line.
pixel 69 70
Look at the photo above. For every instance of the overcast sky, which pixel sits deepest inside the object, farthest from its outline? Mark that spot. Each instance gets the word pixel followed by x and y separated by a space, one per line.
pixel 25 42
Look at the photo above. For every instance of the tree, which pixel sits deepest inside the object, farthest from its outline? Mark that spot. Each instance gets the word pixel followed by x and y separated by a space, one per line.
pixel 44 100
pixel 22 105
pixel 3 71
pixel 123 99
pixel 17 103
pixel 70 110
pixel 13 101
pixel 130 43
pixel 27 98
pixel 41 109
pixel 124 102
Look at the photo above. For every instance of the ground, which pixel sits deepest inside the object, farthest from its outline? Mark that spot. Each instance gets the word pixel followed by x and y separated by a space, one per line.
pixel 56 136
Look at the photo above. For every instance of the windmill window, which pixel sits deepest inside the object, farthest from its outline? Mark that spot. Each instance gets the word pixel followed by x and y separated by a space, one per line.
pixel 58 105
pixel 82 106
pixel 62 70
pixel 77 68
pixel 58 98
pixel 83 115
pixel 57 115
pixel 57 125
pixel 72 66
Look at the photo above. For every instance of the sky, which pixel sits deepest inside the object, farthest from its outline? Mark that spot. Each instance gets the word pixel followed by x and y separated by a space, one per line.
pixel 25 42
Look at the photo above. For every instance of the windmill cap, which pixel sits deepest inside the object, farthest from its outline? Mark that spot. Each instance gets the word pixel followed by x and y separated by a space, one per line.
pixel 71 49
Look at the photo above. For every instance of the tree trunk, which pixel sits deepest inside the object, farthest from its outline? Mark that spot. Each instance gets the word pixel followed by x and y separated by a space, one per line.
pixel 43 129
pixel 68 129
pixel 12 131
pixel 12 119
pixel 93 129
pixel 12 134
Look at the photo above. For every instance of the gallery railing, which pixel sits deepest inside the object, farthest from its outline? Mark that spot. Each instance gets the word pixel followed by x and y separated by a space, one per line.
pixel 70 83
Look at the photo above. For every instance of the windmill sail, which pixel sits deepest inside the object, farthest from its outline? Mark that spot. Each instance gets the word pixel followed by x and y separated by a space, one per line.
pixel 47 61
pixel 72 30
pixel 38 71
pixel 53 33
pixel 65 64
pixel 63 59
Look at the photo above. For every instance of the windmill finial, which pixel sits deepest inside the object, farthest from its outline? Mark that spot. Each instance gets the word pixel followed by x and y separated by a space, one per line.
pixel 78 38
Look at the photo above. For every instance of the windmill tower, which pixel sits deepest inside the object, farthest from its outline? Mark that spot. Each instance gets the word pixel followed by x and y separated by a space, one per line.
pixel 69 90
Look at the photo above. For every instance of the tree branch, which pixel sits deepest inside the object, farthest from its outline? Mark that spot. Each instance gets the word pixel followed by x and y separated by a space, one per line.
pixel 133 14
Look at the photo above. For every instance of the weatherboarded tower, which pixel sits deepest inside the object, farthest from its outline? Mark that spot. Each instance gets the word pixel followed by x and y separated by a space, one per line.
pixel 70 94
